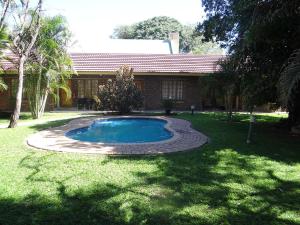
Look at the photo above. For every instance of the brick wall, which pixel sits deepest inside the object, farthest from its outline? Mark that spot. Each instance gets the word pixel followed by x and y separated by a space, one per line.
pixel 152 89
pixel 153 92
pixel 7 101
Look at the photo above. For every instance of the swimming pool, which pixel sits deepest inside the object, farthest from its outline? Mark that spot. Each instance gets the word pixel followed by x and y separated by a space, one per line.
pixel 123 130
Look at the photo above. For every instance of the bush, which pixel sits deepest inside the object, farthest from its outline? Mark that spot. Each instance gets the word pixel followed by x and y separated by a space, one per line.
pixel 168 105
pixel 96 103
pixel 121 94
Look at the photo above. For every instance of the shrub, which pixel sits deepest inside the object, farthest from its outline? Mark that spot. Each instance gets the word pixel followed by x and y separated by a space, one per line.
pixel 168 105
pixel 121 94
pixel 96 103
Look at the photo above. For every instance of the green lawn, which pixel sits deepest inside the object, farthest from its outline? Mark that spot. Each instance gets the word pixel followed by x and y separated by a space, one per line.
pixel 224 182
pixel 26 117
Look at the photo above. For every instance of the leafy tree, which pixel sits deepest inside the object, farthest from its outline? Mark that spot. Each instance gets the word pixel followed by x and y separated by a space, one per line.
pixel 121 93
pixel 49 65
pixel 223 84
pixel 159 28
pixel 289 87
pixel 229 79
pixel 124 32
pixel 25 32
pixel 260 34
pixel 154 28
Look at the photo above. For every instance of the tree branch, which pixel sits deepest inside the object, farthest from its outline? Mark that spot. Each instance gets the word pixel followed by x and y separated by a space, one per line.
pixel 3 14
pixel 36 32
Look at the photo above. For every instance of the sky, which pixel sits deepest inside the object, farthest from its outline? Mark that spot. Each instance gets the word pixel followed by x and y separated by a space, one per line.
pixel 92 21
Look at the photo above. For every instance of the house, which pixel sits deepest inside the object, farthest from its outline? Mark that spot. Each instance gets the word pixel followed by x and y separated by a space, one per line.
pixel 159 76
pixel 159 73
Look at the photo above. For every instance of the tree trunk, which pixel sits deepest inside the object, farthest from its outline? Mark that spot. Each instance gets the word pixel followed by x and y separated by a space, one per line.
pixel 237 103
pixel 16 114
pixel 43 104
pixel 58 100
pixel 228 98
pixel 4 12
pixel 230 103
pixel 249 139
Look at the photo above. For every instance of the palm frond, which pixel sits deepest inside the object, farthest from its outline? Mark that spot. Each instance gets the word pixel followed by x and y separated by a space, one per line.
pixel 290 76
pixel 3 86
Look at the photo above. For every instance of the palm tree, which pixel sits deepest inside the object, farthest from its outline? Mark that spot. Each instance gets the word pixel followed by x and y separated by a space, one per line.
pixel 49 67
pixel 289 87
pixel 3 86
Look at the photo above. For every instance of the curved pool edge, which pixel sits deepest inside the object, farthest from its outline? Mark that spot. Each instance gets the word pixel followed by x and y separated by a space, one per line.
pixel 167 126
pixel 54 139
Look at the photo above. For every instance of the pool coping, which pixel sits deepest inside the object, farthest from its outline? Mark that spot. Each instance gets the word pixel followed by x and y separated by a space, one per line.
pixel 54 139
pixel 167 126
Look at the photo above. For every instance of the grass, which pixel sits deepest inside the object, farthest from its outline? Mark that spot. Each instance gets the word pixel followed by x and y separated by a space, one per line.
pixel 224 182
pixel 26 117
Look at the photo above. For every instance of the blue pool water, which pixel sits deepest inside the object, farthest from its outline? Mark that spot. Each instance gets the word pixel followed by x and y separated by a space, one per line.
pixel 122 130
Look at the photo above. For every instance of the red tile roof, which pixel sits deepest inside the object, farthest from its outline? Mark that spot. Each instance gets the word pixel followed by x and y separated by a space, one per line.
pixel 179 63
pixel 142 63
pixel 8 64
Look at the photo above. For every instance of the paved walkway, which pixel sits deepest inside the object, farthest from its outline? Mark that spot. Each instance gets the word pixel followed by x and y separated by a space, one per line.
pixel 54 139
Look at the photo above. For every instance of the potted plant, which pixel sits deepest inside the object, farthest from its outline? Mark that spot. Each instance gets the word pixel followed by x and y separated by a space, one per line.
pixel 168 105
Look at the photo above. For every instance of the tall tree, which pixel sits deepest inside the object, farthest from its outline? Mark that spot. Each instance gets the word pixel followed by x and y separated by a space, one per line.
pixel 25 33
pixel 224 84
pixel 159 28
pixel 261 34
pixel 49 65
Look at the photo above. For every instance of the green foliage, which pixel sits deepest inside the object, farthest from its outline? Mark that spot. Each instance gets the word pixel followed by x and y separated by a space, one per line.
pixel 123 32
pixel 290 77
pixel 121 93
pixel 3 45
pixel 3 86
pixel 49 66
pixel 154 28
pixel 97 102
pixel 260 35
pixel 168 104
pixel 289 86
pixel 4 40
pixel 160 27
pixel 224 84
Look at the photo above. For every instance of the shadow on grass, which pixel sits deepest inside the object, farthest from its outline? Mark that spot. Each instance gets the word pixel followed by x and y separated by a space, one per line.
pixel 267 139
pixel 226 182
pixel 193 188
pixel 50 124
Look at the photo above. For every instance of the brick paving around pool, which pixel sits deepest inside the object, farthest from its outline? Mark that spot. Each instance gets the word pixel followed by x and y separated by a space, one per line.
pixel 54 139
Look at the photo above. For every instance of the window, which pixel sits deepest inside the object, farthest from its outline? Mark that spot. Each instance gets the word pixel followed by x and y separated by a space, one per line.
pixel 172 89
pixel 95 87
pixel 81 89
pixel 88 88
pixel 139 84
